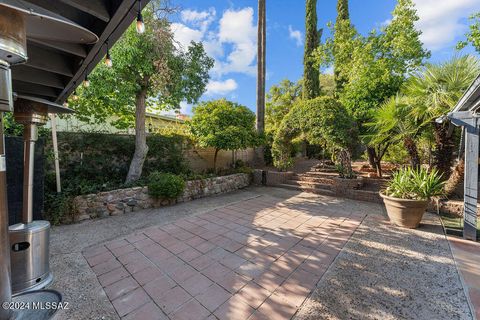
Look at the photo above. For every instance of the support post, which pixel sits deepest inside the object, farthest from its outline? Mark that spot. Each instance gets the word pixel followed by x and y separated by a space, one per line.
pixel 53 121
pixel 471 181
pixel 5 279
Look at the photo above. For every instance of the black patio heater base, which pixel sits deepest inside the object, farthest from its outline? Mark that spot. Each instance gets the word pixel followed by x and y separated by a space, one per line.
pixel 42 305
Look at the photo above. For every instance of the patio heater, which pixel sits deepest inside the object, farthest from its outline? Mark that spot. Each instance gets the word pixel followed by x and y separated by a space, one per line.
pixel 29 240
pixel 20 20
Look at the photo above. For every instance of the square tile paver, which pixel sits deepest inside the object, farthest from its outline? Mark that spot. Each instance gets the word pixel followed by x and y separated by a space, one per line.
pixel 191 310
pixel 196 284
pixel 213 297
pixel 172 299
pixel 120 288
pixel 130 301
pixel 256 258
pixel 234 309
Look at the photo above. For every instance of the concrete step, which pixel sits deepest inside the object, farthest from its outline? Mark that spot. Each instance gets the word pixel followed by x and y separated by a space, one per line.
pixel 324 169
pixel 313 178
pixel 319 174
pixel 324 192
pixel 308 184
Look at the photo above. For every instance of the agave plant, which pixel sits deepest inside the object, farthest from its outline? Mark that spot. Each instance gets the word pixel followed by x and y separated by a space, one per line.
pixel 420 184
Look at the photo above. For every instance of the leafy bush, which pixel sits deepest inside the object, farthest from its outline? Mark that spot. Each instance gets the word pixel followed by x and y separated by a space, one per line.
pixel 165 185
pixel 323 121
pixel 415 184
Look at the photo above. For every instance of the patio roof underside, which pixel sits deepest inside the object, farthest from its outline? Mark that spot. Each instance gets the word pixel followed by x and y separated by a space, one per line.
pixel 470 101
pixel 53 69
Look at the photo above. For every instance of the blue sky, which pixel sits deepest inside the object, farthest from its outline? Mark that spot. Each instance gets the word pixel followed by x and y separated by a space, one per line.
pixel 228 31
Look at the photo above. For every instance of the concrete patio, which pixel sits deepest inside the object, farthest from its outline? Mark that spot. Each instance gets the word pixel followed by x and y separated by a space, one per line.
pixel 258 253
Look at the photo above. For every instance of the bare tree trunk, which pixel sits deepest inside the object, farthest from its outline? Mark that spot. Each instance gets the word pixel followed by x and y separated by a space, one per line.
pixel 345 163
pixel 215 161
pixel 456 178
pixel 261 69
pixel 412 150
pixel 141 148
pixel 371 157
pixel 443 154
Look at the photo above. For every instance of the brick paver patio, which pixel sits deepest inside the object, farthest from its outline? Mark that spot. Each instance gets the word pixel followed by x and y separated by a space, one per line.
pixel 256 259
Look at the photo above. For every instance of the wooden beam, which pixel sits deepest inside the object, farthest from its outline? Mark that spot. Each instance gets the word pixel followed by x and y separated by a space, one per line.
pixel 95 8
pixel 471 181
pixel 21 87
pixel 31 75
pixel 49 60
pixel 72 48
pixel 119 22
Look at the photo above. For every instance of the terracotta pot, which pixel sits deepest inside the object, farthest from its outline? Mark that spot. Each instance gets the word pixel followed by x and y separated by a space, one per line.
pixel 405 213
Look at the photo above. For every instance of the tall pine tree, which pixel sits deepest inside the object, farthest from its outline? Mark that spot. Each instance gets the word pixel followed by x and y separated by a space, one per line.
pixel 343 32
pixel 311 73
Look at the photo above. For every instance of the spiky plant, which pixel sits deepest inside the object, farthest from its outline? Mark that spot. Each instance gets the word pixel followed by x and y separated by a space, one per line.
pixel 436 89
pixel 414 184
pixel 392 123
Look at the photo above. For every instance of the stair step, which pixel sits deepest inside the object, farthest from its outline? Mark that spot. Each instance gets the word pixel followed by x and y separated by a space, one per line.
pixel 324 170
pixel 307 184
pixel 319 173
pixel 308 178
pixel 324 192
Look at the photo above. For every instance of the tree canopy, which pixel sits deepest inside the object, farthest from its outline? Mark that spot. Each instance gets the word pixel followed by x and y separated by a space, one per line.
pixel 151 61
pixel 473 34
pixel 322 121
pixel 223 125
pixel 148 70
pixel 311 73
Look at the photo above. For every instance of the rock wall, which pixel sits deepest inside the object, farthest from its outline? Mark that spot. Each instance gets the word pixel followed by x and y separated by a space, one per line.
pixel 121 201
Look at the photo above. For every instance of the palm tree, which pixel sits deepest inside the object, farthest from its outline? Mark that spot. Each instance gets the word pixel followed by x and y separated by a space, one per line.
pixel 392 124
pixel 436 89
pixel 261 56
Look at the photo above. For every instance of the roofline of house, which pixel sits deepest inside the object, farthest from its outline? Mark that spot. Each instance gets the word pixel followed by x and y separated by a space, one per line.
pixel 469 98
pixel 164 117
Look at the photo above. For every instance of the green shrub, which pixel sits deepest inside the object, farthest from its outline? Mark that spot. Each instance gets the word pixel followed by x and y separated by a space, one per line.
pixel 415 184
pixel 165 185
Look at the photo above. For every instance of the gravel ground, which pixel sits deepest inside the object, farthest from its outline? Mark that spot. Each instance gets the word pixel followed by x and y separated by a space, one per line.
pixel 385 272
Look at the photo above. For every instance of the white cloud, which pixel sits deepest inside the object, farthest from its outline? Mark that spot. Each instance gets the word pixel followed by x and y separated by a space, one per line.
pixel 201 19
pixel 230 39
pixel 237 28
pixel 295 35
pixel 184 35
pixel 441 21
pixel 221 87
pixel 194 16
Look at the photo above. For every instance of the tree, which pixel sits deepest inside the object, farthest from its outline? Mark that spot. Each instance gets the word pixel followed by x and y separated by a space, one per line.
pixel 311 72
pixel 280 100
pixel 392 123
pixel 372 69
pixel 342 43
pixel 261 54
pixel 147 70
pixel 322 121
pixel 473 35
pixel 436 89
pixel 261 70
pixel 223 125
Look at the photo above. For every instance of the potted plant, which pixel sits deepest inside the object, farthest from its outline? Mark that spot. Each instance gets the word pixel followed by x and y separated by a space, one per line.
pixel 408 193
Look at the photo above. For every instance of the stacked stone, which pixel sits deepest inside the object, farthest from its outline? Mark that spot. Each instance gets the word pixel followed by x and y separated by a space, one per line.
pixel 122 201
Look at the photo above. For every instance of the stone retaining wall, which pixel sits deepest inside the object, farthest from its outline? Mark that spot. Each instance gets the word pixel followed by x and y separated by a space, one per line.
pixel 452 207
pixel 115 202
